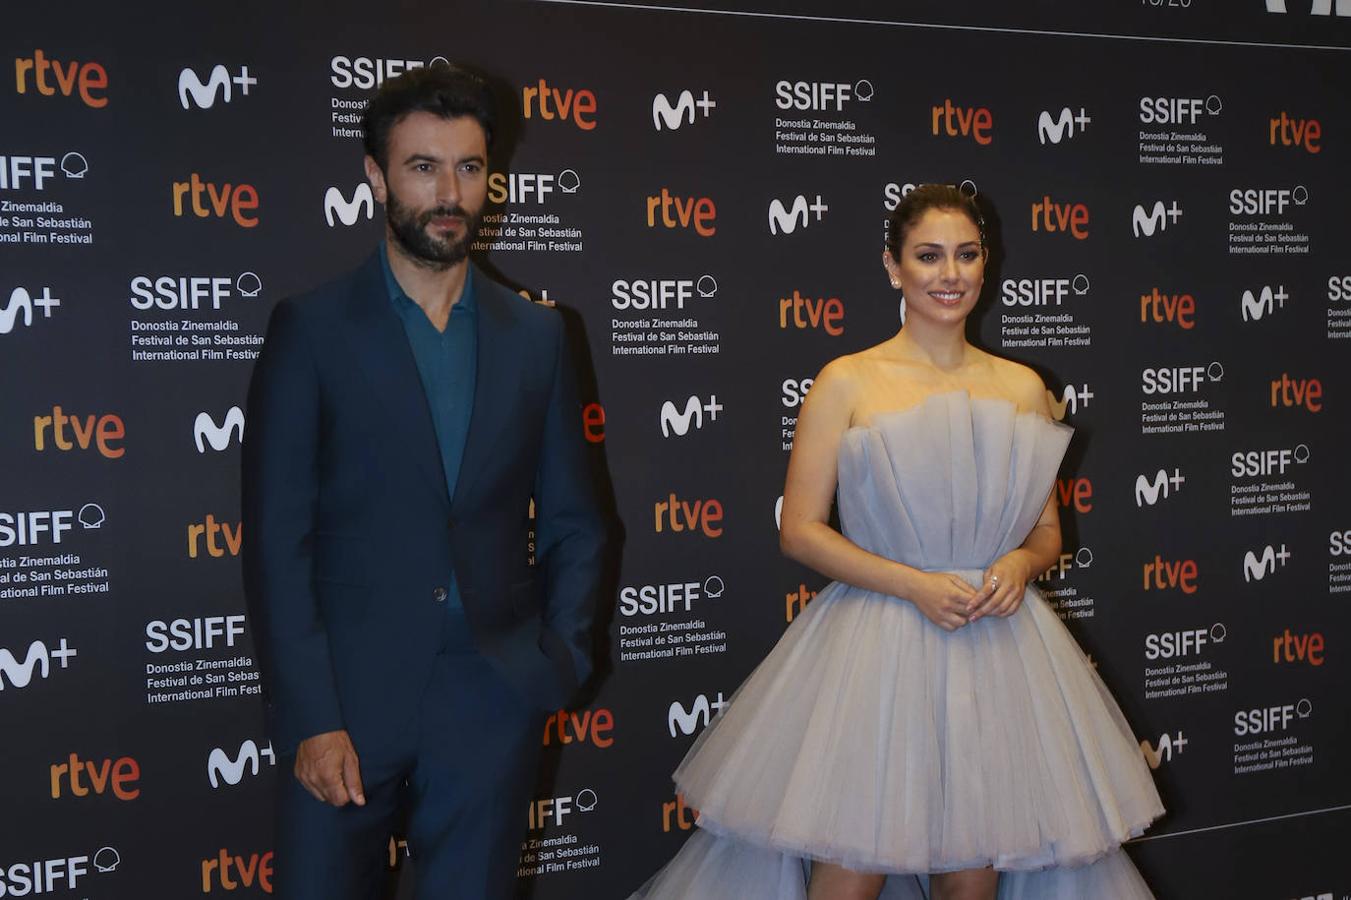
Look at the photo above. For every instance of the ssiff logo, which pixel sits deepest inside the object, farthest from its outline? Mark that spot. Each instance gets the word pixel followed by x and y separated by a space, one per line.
pixel 89 79
pixel 672 115
pixel 558 808
pixel 550 103
pixel 1256 567
pixel 820 95
pixel 1065 562
pixel 1057 218
pixel 522 187
pixel 101 431
pixel 1144 222
pixel 1266 201
pixel 1042 291
pixel 45 875
pixel 1163 485
pixel 185 292
pixel 237 201
pixel 974 122
pixel 206 432
pixel 787 219
pixel 686 721
pixel 220 768
pixel 1061 127
pixel 337 208
pixel 29 527
pixel 802 312
pixel 670 211
pixel 37 660
pixel 233 872
pixel 18 171
pixel 120 775
pixel 21 303
pixel 192 91
pixel 678 596
pixel 677 422
pixel 1157 755
pixel 660 293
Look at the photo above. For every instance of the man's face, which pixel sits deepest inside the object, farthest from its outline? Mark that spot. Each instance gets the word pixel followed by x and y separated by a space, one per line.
pixel 434 188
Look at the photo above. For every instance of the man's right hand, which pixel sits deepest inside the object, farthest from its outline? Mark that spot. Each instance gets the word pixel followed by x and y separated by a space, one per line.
pixel 327 766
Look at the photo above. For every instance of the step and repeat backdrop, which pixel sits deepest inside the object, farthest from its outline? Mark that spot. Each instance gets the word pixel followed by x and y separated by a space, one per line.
pixel 702 193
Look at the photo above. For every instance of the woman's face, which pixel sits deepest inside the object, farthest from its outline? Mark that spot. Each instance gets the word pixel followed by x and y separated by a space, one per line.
pixel 941 266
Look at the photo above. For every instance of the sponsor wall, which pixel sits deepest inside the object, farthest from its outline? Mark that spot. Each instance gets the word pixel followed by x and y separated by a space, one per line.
pixel 703 194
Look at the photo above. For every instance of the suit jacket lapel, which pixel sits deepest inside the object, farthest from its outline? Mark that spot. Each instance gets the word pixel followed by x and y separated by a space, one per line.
pixel 381 350
pixel 496 374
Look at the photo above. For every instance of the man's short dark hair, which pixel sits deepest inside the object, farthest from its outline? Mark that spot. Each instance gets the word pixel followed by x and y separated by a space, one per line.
pixel 441 89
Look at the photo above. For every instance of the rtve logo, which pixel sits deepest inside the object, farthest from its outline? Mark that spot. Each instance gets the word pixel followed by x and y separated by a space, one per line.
pixel 100 431
pixel 337 208
pixel 21 303
pixel 674 421
pixel 1271 718
pixel 975 122
pixel 25 529
pixel 220 767
pixel 120 775
pixel 207 200
pixel 672 115
pixel 677 814
pixel 1252 463
pixel 1041 291
pixel 587 726
pixel 673 597
pixel 1168 574
pixel 1296 392
pixel 670 211
pixel 1161 307
pixel 1168 744
pixel 523 187
pixel 820 95
pixel 1053 218
pixel 1081 558
pixel 184 292
pixel 16 171
pixel 205 430
pixel 558 808
pixel 1145 222
pixel 368 73
pixel 1177 644
pixel 794 602
pixel 43 876
pixel 1316 8
pixel 1072 400
pixel 1178 110
pixel 1266 201
pixel 192 91
pixel 825 313
pixel 37 659
pixel 1062 126
pixel 787 219
pixel 201 633
pixel 677 515
pixel 660 293
pixel 1291 648
pixel 209 531
pixel 1290 132
pixel 90 79
pixel 232 872
pixel 1179 379
pixel 593 423
pixel 680 720
pixel 549 103
pixel 1075 492
pixel 1256 567
pixel 1163 486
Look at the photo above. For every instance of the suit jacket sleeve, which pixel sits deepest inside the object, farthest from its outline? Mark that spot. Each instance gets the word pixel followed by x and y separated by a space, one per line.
pixel 280 496
pixel 570 531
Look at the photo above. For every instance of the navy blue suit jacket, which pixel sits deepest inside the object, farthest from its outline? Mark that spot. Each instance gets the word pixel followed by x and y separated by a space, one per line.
pixel 350 537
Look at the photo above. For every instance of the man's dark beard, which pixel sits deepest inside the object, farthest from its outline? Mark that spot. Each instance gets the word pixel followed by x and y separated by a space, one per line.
pixel 410 231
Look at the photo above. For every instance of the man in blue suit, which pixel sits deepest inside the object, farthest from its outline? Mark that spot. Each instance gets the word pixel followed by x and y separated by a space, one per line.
pixel 402 420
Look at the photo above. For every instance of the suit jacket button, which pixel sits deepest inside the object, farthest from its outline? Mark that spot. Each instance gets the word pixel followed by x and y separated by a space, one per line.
pixel 439 594
pixel 450 523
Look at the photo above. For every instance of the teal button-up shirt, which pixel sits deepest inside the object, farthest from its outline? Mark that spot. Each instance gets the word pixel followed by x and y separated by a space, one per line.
pixel 446 362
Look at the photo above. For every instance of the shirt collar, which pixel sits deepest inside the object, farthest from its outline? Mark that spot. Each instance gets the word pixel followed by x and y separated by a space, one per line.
pixel 398 297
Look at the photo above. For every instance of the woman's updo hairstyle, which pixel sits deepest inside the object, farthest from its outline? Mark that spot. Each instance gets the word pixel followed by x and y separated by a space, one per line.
pixel 915 204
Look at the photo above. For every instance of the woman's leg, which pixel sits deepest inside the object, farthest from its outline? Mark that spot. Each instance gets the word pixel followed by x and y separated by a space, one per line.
pixel 968 884
pixel 831 882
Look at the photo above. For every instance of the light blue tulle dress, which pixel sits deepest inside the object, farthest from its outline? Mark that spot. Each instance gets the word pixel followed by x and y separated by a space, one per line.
pixel 872 738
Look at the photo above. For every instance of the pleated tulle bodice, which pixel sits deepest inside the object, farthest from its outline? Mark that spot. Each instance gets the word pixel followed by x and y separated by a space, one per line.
pixel 951 483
